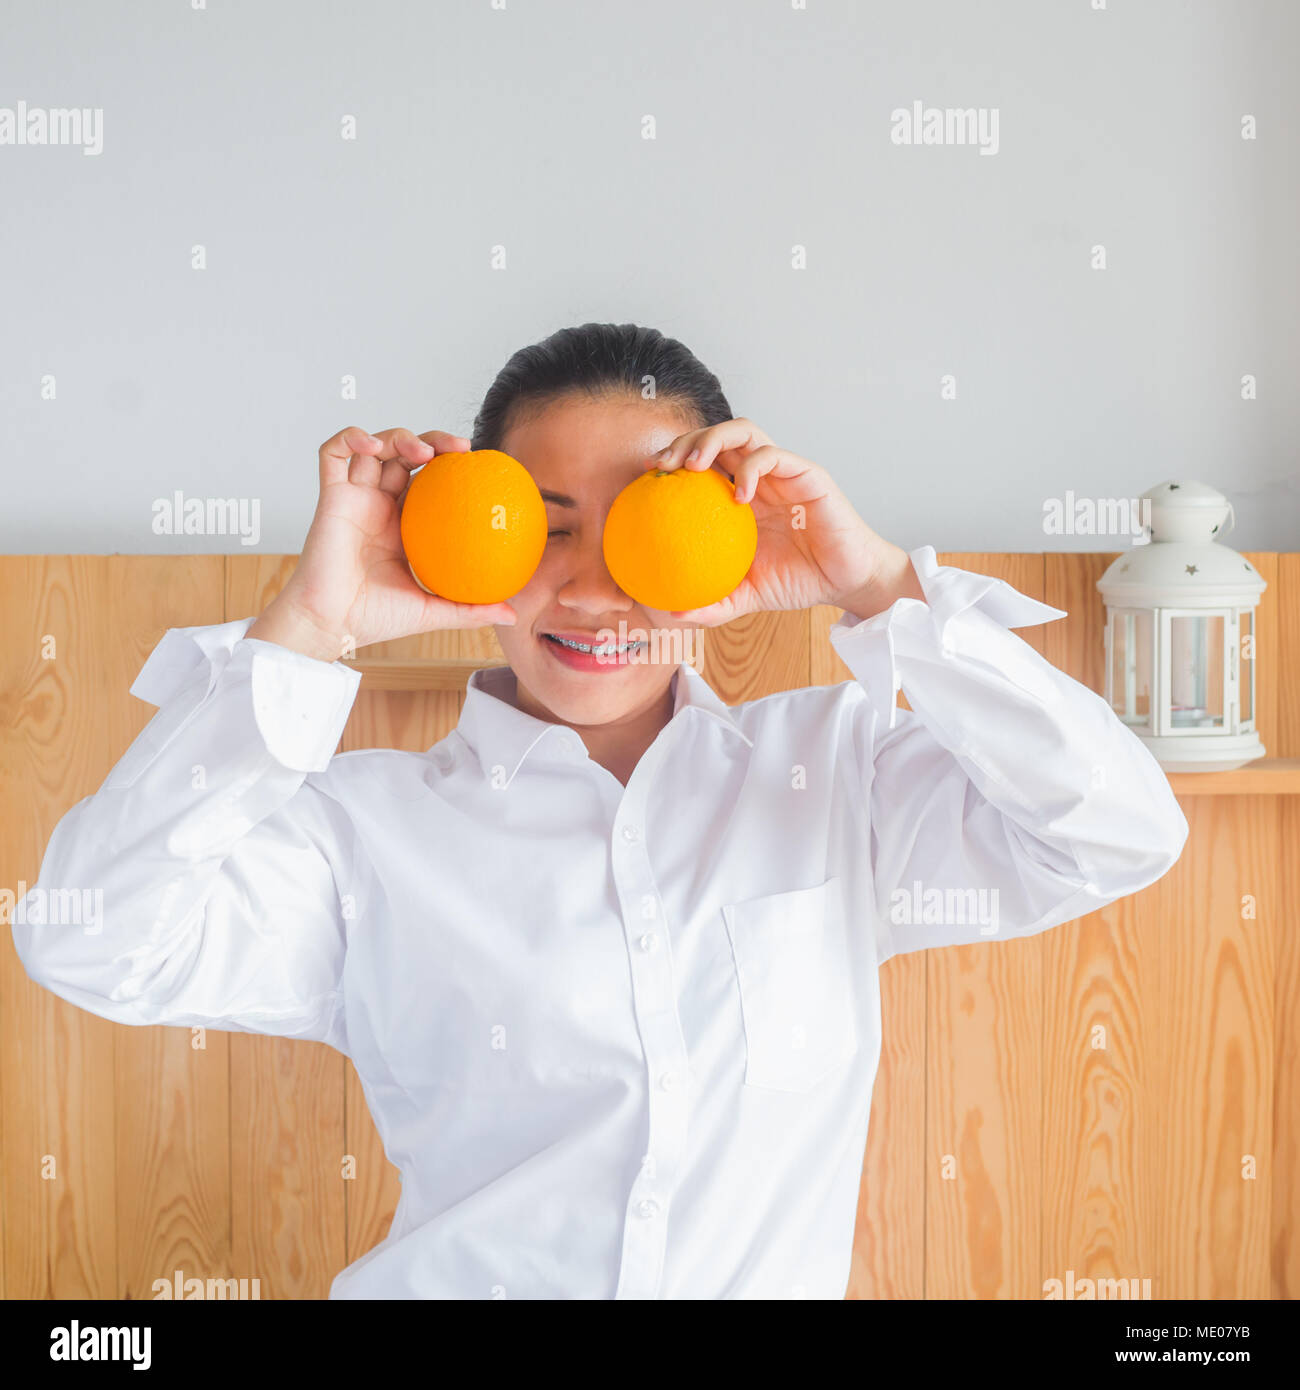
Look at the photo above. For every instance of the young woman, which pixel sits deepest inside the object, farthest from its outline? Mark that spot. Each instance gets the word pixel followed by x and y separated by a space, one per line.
pixel 605 957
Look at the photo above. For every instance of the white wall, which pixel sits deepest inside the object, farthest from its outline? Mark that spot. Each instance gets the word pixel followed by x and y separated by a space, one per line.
pixel 522 127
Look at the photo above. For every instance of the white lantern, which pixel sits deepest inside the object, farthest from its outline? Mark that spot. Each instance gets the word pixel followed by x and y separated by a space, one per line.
pixel 1180 634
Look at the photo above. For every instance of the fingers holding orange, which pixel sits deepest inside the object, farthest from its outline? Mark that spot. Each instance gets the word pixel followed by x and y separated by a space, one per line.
pixel 699 449
pixel 400 447
pixel 336 453
pixel 751 466
pixel 414 452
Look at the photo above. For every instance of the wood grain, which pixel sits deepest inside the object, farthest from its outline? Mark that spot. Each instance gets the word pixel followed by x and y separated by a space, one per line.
pixel 415 674
pixel 1209 1054
pixel 1094 1043
pixel 1284 1250
pixel 288 1202
pixel 172 1127
pixel 1120 1096
pixel 135 1128
pixel 1264 777
pixel 984 1122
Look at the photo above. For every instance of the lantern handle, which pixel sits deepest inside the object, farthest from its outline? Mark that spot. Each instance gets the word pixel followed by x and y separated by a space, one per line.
pixel 1232 521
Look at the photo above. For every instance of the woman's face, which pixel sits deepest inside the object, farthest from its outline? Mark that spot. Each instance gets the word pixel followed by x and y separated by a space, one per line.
pixel 581 453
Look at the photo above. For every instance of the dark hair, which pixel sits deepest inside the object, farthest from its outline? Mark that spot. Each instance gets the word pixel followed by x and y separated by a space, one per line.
pixel 599 360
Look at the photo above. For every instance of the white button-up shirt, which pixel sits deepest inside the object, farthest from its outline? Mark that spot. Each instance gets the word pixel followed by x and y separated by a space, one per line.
pixel 620 1041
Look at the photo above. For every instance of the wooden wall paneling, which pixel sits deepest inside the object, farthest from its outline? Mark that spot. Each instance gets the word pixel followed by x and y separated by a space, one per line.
pixel 59 1089
pixel 1284 1252
pixel 756 655
pixel 984 1083
pixel 1209 996
pixel 289 1216
pixel 1284 1245
pixel 1075 643
pixel 1120 1160
pixel 889 1238
pixel 133 1118
pixel 172 1119
pixel 1099 1193
pixel 1212 990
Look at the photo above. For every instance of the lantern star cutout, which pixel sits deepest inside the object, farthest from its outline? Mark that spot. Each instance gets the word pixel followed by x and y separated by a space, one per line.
pixel 1191 569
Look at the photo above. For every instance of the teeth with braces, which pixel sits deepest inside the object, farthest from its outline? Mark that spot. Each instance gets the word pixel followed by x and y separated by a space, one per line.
pixel 599 649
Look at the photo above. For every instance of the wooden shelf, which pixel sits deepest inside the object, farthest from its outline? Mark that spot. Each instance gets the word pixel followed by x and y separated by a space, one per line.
pixel 1263 777
pixel 442 673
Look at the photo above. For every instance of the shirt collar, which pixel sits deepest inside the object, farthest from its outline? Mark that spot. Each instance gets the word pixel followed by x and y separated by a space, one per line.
pixel 501 735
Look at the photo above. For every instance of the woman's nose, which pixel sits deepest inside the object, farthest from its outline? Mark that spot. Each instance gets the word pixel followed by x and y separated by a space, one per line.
pixel 589 585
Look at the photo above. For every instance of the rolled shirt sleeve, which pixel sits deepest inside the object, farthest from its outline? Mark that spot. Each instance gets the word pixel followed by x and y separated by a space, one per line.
pixel 219 859
pixel 1010 798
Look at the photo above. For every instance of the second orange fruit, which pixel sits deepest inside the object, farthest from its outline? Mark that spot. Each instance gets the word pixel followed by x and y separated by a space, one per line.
pixel 677 539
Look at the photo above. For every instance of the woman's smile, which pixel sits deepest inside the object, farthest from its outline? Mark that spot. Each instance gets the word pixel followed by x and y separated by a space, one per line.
pixel 592 650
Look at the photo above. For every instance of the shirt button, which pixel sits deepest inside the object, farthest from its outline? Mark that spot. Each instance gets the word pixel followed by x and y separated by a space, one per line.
pixel 649 941
pixel 668 1080
pixel 630 833
pixel 647 1207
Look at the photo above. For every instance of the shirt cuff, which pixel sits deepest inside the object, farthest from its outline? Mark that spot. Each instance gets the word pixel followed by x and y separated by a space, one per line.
pixel 300 704
pixel 868 646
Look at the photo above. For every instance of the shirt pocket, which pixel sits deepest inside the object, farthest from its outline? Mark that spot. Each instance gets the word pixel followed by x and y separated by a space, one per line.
pixel 796 989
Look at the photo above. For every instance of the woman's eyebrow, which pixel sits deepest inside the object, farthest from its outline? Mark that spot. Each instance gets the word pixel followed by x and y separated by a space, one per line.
pixel 559 498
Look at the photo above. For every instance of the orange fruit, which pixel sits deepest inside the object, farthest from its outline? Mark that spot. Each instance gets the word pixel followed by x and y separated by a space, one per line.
pixel 678 539
pixel 473 526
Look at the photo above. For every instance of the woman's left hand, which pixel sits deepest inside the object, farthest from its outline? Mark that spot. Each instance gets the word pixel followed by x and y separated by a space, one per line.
pixel 812 546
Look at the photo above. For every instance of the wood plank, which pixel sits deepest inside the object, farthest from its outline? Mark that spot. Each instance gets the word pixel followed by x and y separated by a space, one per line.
pixel 1284 1249
pixel 1284 1235
pixel 756 655
pixel 984 1117
pixel 1263 777
pixel 288 1204
pixel 287 1175
pixel 1094 1040
pixel 172 1121
pixel 1076 644
pixel 1206 982
pixel 59 1096
pixel 1109 1213
pixel 441 673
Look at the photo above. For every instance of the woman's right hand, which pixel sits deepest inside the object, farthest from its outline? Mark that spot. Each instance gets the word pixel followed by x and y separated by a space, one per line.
pixel 352 585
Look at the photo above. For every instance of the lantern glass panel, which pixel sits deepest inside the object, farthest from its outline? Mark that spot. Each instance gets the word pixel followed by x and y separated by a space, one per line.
pixel 1130 680
pixel 1246 666
pixel 1196 672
